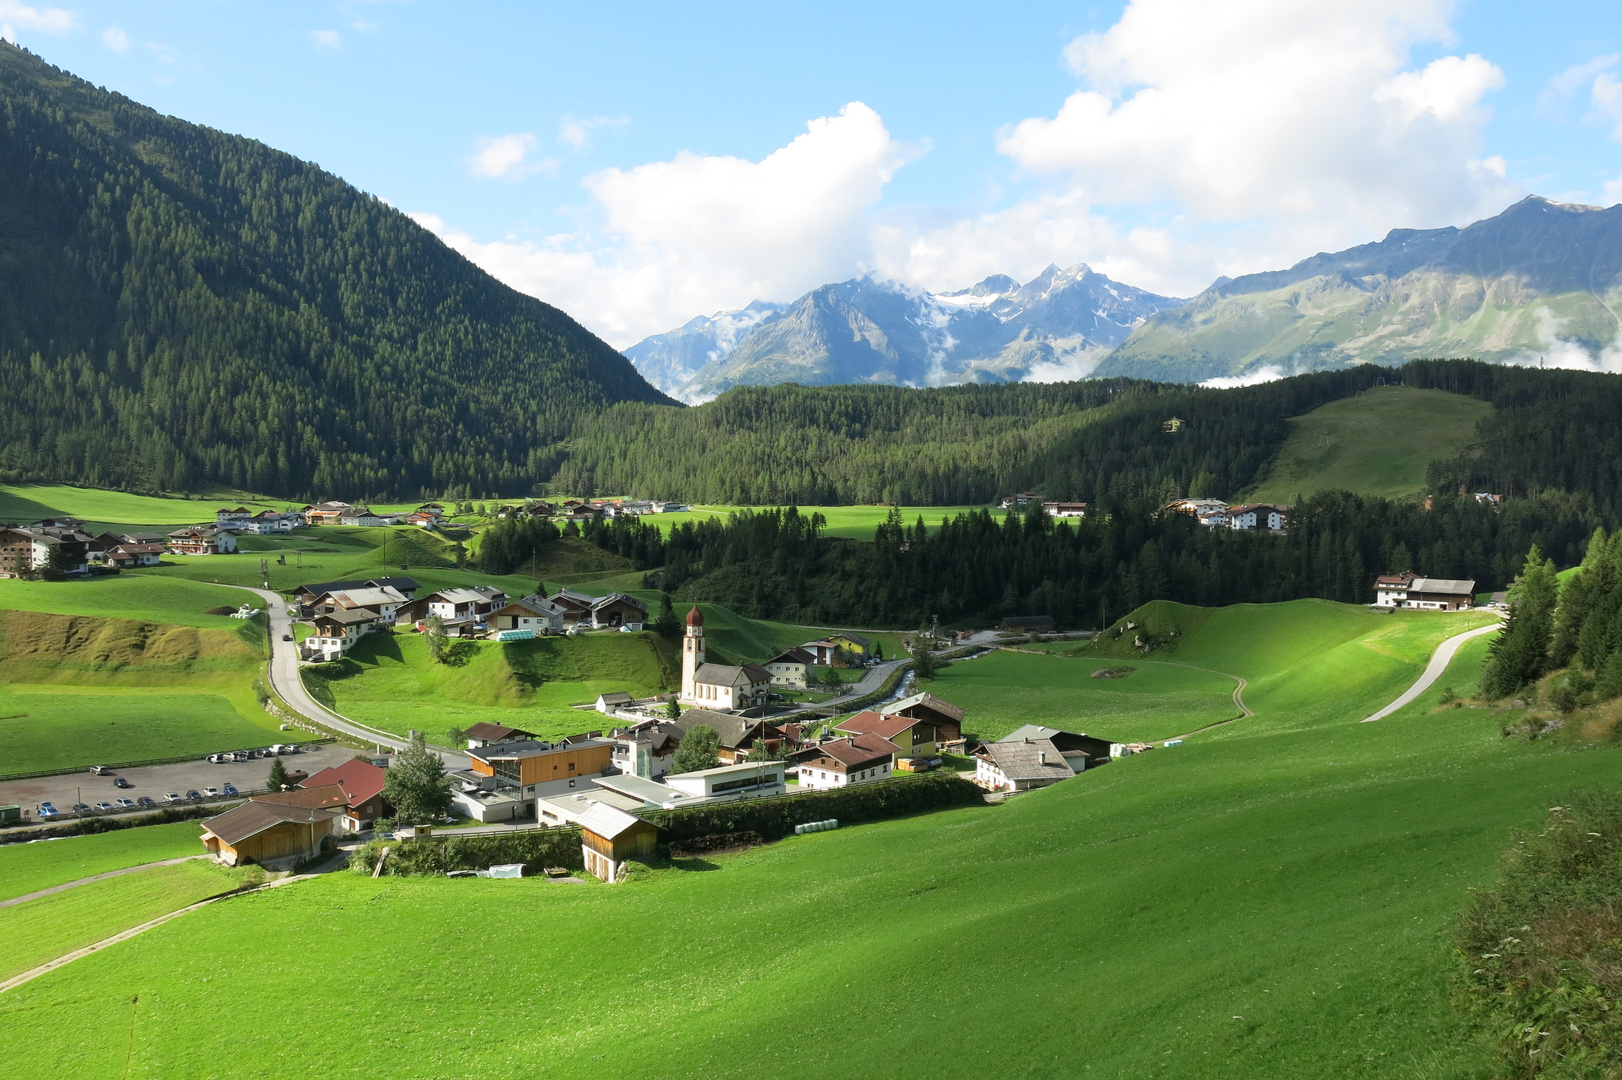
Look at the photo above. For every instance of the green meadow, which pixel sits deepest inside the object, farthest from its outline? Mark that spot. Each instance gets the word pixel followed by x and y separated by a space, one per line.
pixel 29 867
pixel 1378 442
pixel 1271 899
pixel 58 727
pixel 128 596
pixel 23 503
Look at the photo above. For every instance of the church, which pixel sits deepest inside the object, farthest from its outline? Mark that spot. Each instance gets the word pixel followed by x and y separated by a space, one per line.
pixel 718 686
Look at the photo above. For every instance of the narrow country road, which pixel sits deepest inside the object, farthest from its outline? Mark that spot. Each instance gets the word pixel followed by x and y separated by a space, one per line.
pixel 284 679
pixel 1440 659
pixel 870 682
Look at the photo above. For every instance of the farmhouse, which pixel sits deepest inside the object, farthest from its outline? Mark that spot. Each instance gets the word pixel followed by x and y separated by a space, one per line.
pixel 1065 509
pixel 576 606
pixel 846 647
pixel 362 784
pixel 25 551
pixel 910 737
pixel 202 540
pixel 363 515
pixel 1010 502
pixel 326 513
pixel 610 837
pixel 617 699
pixel 788 670
pixel 305 596
pixel 458 609
pixel 239 514
pixel 1020 766
pixel 616 610
pixel 336 632
pixel 383 599
pixel 1081 750
pixel 487 734
pixel 860 759
pixel 1409 590
pixel 123 555
pixel 738 734
pixel 534 612
pixel 265 833
pixel 1258 516
pixel 947 718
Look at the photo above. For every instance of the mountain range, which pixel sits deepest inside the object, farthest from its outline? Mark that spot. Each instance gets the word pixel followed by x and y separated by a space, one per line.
pixel 1055 326
pixel 1540 280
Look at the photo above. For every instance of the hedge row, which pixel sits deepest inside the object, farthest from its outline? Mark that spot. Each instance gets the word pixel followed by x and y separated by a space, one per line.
pixel 536 849
pixel 776 818
pixel 86 826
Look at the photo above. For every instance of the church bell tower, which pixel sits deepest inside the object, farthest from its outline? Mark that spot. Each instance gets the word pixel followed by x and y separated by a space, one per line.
pixel 692 655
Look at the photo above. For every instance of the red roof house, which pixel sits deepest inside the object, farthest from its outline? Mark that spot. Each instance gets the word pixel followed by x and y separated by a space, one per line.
pixel 363 789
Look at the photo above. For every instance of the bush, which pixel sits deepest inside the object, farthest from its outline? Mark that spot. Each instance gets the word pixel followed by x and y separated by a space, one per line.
pixel 1540 956
pixel 438 854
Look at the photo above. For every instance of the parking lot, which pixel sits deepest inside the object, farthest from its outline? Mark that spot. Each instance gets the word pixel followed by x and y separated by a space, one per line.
pixel 155 780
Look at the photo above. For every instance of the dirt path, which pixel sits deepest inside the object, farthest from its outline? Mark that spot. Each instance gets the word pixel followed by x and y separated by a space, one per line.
pixel 1440 659
pixel 95 877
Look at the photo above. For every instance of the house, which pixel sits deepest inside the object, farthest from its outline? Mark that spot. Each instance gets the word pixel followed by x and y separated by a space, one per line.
pixel 362 783
pixel 534 612
pixel 487 734
pixel 29 550
pixel 609 837
pixel 583 513
pixel 947 718
pixel 616 610
pixel 202 540
pixel 238 515
pixel 860 759
pixel 456 607
pixel 576 606
pixel 422 520
pixel 268 521
pixel 851 648
pixel 1010 502
pixel 788 670
pixel 266 833
pixel 1487 498
pixel 1027 624
pixel 1258 516
pixel 1212 513
pixel 1020 766
pixel 1172 425
pixel 746 780
pixel 324 797
pixel 1408 590
pixel 305 596
pixel 647 749
pixel 123 555
pixel 143 537
pixel 383 599
pixel 911 736
pixel 326 513
pixel 1065 509
pixel 619 699
pixel 336 632
pixel 504 779
pixel 738 734
pixel 1081 750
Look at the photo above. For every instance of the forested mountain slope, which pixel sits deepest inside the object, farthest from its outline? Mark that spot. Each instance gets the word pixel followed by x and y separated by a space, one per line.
pixel 181 307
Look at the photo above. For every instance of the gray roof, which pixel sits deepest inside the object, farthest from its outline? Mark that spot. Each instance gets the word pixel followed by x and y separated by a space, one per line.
pixel 726 675
pixel 732 729
pixel 607 821
pixel 618 597
pixel 253 818
pixel 651 792
pixel 618 697
pixel 1446 586
pixel 928 701
pixel 348 616
pixel 1028 759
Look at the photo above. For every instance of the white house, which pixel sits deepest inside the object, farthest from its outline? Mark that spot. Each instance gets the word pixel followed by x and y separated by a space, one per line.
pixel 336 632
pixel 1065 509
pixel 534 612
pixel 860 759
pixel 751 780
pixel 1020 766
pixel 363 515
pixel 1409 590
pixel 383 599
pixel 1258 516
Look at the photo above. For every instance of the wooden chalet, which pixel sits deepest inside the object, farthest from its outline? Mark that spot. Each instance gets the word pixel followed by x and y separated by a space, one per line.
pixel 947 718
pixel 609 838
pixel 266 832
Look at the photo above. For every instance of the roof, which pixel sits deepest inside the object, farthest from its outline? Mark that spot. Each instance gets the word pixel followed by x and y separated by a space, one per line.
pixel 495 732
pixel 695 617
pixel 527 748
pixel 366 596
pixel 870 722
pixel 461 596
pixel 732 729
pixel 618 598
pixel 256 816
pixel 321 588
pixel 320 798
pixel 1446 586
pixel 739 767
pixel 1245 507
pixel 857 751
pixel 851 635
pixel 1057 736
pixel 535 604
pixel 928 701
pixel 608 822
pixel 618 697
pixel 570 596
pixel 360 778
pixel 651 792
pixel 725 675
pixel 1024 760
pixel 795 655
pixel 348 616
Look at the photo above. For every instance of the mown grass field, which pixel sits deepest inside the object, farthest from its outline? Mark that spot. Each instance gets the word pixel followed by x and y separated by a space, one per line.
pixel 1376 443
pixel 1269 901
pixel 128 596
pixel 39 930
pixel 26 868
pixel 24 503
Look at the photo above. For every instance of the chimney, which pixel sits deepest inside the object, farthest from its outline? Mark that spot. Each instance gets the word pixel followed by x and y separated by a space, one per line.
pixel 1041 757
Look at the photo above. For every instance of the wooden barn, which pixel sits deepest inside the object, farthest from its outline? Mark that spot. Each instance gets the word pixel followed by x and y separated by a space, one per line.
pixel 609 837
pixel 263 832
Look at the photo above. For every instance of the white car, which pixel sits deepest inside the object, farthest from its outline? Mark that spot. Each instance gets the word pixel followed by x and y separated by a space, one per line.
pixel 211 793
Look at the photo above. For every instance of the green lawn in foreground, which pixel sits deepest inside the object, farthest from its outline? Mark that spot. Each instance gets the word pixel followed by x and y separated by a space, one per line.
pixel 23 503
pixel 1273 902
pixel 128 596
pixel 1003 690
pixel 1378 442
pixel 26 868
pixel 32 933
pixel 55 727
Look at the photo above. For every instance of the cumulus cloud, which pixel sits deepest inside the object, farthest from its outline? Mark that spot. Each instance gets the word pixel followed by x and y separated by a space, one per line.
pixel 45 20
pixel 699 233
pixel 326 40
pixel 506 157
pixel 575 132
pixel 115 39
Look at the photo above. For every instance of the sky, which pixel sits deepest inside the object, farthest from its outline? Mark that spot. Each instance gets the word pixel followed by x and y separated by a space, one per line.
pixel 640 164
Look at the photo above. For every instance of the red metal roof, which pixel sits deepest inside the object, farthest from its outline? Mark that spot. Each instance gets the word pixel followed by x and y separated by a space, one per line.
pixel 361 780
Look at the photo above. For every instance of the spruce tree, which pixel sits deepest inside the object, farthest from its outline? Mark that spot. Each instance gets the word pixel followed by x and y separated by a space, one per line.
pixel 1520 653
pixel 277 780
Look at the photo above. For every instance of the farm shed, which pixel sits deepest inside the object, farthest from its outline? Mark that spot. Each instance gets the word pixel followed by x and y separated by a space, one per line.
pixel 609 837
pixel 261 832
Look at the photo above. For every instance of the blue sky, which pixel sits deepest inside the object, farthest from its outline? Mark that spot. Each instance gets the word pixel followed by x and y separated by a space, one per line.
pixel 638 164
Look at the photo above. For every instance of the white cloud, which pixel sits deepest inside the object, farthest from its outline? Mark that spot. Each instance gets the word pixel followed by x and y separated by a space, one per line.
pixel 1267 374
pixel 115 39
pixel 575 133
pixel 1560 88
pixel 670 239
pixel 506 157
pixel 1613 189
pixel 45 20
pixel 326 40
pixel 1606 100
pixel 1558 352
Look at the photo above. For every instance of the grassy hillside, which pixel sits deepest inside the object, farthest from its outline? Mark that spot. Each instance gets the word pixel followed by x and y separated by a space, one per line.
pixel 23 503
pixel 1377 443
pixel 128 596
pixel 1269 901
pixel 26 868
pixel 76 689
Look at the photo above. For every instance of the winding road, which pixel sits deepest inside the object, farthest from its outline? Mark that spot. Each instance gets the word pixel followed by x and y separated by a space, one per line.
pixel 1440 659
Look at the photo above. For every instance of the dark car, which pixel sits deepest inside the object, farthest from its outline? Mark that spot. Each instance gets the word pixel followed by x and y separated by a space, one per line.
pixel 121 782
pixel 194 795
pixel 287 637
pixel 230 789
pixel 145 800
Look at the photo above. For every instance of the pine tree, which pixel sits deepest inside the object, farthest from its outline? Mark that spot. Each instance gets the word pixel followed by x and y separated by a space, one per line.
pixel 1520 653
pixel 277 780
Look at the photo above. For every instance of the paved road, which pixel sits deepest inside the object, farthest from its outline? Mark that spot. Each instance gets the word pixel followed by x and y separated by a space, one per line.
pixel 872 679
pixel 284 677
pixel 1433 671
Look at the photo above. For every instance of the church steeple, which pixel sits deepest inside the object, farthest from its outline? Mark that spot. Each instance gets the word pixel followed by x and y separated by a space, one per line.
pixel 692 654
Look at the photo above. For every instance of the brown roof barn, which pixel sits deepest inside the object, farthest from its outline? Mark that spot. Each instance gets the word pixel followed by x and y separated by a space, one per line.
pixel 263 832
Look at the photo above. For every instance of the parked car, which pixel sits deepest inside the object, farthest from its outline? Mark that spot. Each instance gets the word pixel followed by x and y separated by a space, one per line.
pixel 103 807
pixel 100 770
pixel 120 782
pixel 172 797
pixel 211 792
pixel 230 789
pixel 126 804
pixel 241 755
pixel 193 796
pixel 81 808
pixel 218 759
pixel 46 810
pixel 287 637
pixel 145 800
